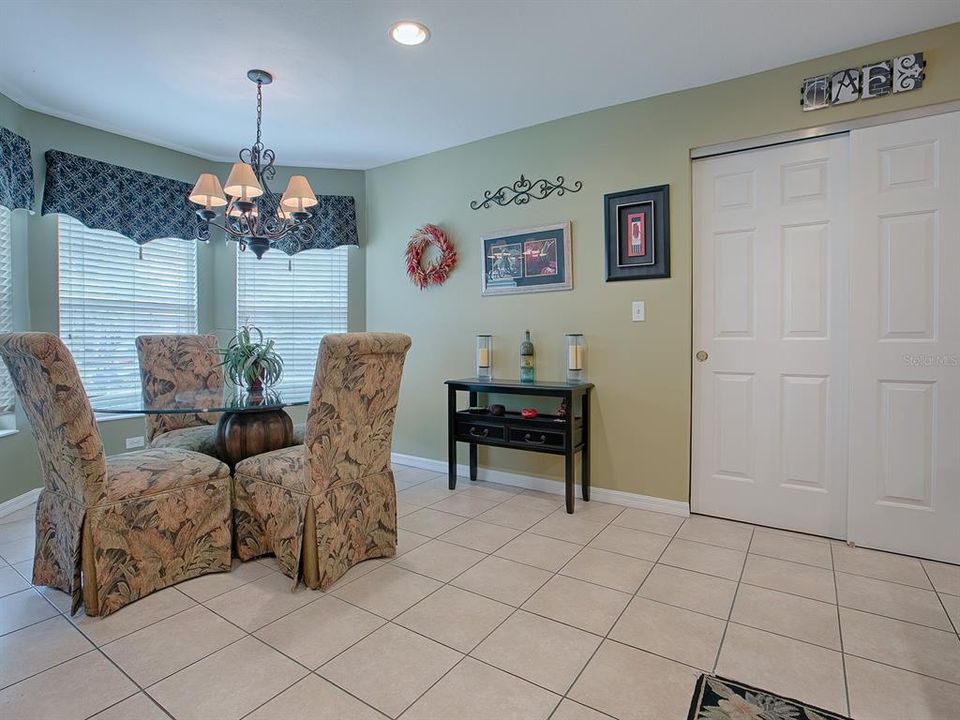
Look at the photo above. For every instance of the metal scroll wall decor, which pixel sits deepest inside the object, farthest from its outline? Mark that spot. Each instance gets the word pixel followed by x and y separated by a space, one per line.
pixel 873 80
pixel 523 191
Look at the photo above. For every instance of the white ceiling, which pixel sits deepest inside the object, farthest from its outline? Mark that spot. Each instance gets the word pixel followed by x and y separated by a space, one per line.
pixel 173 72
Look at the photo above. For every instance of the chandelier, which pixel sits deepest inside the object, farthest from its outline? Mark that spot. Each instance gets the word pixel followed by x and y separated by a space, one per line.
pixel 253 215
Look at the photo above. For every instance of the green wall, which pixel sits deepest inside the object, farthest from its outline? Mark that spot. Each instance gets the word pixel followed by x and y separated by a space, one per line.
pixel 642 371
pixel 35 258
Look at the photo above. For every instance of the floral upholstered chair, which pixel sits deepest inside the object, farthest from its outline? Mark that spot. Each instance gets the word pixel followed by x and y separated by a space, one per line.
pixel 111 530
pixel 331 503
pixel 171 364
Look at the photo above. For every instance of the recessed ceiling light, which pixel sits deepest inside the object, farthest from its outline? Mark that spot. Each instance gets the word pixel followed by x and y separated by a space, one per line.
pixel 408 32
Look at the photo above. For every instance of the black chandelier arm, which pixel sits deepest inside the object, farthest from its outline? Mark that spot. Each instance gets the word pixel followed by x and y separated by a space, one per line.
pixel 272 231
pixel 267 171
pixel 201 230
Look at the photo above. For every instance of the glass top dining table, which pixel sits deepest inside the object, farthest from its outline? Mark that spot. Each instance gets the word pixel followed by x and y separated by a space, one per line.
pixel 227 399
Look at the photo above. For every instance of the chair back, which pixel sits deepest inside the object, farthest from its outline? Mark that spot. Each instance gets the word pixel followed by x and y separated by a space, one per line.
pixel 68 440
pixel 172 364
pixel 352 406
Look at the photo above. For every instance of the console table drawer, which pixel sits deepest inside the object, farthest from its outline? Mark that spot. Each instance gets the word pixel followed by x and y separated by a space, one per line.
pixel 533 437
pixel 481 432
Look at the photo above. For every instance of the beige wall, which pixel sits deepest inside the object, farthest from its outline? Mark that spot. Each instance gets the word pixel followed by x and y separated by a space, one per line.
pixel 35 258
pixel 642 370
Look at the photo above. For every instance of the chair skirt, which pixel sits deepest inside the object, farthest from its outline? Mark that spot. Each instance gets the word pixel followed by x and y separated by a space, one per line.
pixel 107 556
pixel 317 536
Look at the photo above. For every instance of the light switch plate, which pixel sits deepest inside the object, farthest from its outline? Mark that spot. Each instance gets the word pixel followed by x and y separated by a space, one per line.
pixel 135 442
pixel 639 311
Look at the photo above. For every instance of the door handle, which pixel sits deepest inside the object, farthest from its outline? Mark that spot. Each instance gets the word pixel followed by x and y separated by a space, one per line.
pixel 701 355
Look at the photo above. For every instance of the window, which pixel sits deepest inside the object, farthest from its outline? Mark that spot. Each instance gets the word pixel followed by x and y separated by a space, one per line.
pixel 6 305
pixel 112 290
pixel 295 301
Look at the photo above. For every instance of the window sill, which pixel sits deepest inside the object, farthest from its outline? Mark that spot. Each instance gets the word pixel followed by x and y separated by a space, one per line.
pixel 105 417
pixel 6 433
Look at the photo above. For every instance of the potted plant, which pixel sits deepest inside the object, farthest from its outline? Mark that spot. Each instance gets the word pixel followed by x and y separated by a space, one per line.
pixel 251 361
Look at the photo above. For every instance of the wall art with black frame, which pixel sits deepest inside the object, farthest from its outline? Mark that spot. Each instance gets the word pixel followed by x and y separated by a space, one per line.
pixel 637 228
pixel 523 261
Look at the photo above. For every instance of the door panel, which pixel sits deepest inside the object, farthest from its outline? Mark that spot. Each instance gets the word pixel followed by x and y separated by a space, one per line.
pixel 905 338
pixel 806 281
pixel 770 294
pixel 804 403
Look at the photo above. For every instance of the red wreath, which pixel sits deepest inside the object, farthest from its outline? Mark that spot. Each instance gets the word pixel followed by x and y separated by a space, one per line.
pixel 435 273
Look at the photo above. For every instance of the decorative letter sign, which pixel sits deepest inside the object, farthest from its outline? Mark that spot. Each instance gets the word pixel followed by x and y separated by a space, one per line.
pixel 908 72
pixel 873 80
pixel 877 80
pixel 845 86
pixel 816 92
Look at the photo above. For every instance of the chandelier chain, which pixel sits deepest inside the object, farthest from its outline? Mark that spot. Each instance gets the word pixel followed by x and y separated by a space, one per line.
pixel 259 108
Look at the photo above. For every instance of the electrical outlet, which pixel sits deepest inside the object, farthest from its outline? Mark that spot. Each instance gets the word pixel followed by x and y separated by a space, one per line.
pixel 135 442
pixel 639 311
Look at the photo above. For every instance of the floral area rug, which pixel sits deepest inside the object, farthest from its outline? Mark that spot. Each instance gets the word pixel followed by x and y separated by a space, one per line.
pixel 717 698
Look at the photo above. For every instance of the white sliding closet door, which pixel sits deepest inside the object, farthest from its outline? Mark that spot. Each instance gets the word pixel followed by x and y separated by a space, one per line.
pixel 770 309
pixel 905 337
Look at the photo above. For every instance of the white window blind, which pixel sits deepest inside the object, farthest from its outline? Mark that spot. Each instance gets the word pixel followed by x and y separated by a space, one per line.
pixel 112 290
pixel 295 301
pixel 6 304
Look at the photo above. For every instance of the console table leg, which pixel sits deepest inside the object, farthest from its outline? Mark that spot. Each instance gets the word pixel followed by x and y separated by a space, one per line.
pixel 473 462
pixel 585 451
pixel 451 442
pixel 473 447
pixel 569 473
pixel 585 474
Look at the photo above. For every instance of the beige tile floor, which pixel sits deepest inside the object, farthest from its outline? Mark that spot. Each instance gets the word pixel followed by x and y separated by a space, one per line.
pixel 499 605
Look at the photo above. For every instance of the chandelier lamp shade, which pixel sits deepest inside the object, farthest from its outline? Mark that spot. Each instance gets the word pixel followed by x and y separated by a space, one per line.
pixel 253 215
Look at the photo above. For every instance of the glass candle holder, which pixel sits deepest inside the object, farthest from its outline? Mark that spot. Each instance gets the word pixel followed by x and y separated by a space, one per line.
pixel 484 357
pixel 575 350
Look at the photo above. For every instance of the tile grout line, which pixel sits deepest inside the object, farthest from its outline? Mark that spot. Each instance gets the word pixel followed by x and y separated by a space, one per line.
pixel 464 655
pixel 36 622
pixel 733 602
pixel 246 635
pixel 51 667
pixel 659 602
pixel 897 619
pixel 149 699
pixel 137 685
pixel 553 574
pixel 843 654
pixel 954 625
pixel 387 621
pixel 879 579
pixel 514 611
pixel 519 608
pixel 903 669
pixel 606 637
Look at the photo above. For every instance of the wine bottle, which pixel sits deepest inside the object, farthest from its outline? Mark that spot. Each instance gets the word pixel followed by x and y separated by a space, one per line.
pixel 528 373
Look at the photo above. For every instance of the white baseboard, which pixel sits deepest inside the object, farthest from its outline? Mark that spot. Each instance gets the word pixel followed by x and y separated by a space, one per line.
pixel 530 482
pixel 10 506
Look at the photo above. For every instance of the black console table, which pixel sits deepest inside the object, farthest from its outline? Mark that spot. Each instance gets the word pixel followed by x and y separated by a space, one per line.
pixel 544 433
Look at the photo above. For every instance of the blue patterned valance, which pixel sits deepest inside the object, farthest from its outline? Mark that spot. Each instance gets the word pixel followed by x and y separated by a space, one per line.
pixel 16 171
pixel 138 205
pixel 334 224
